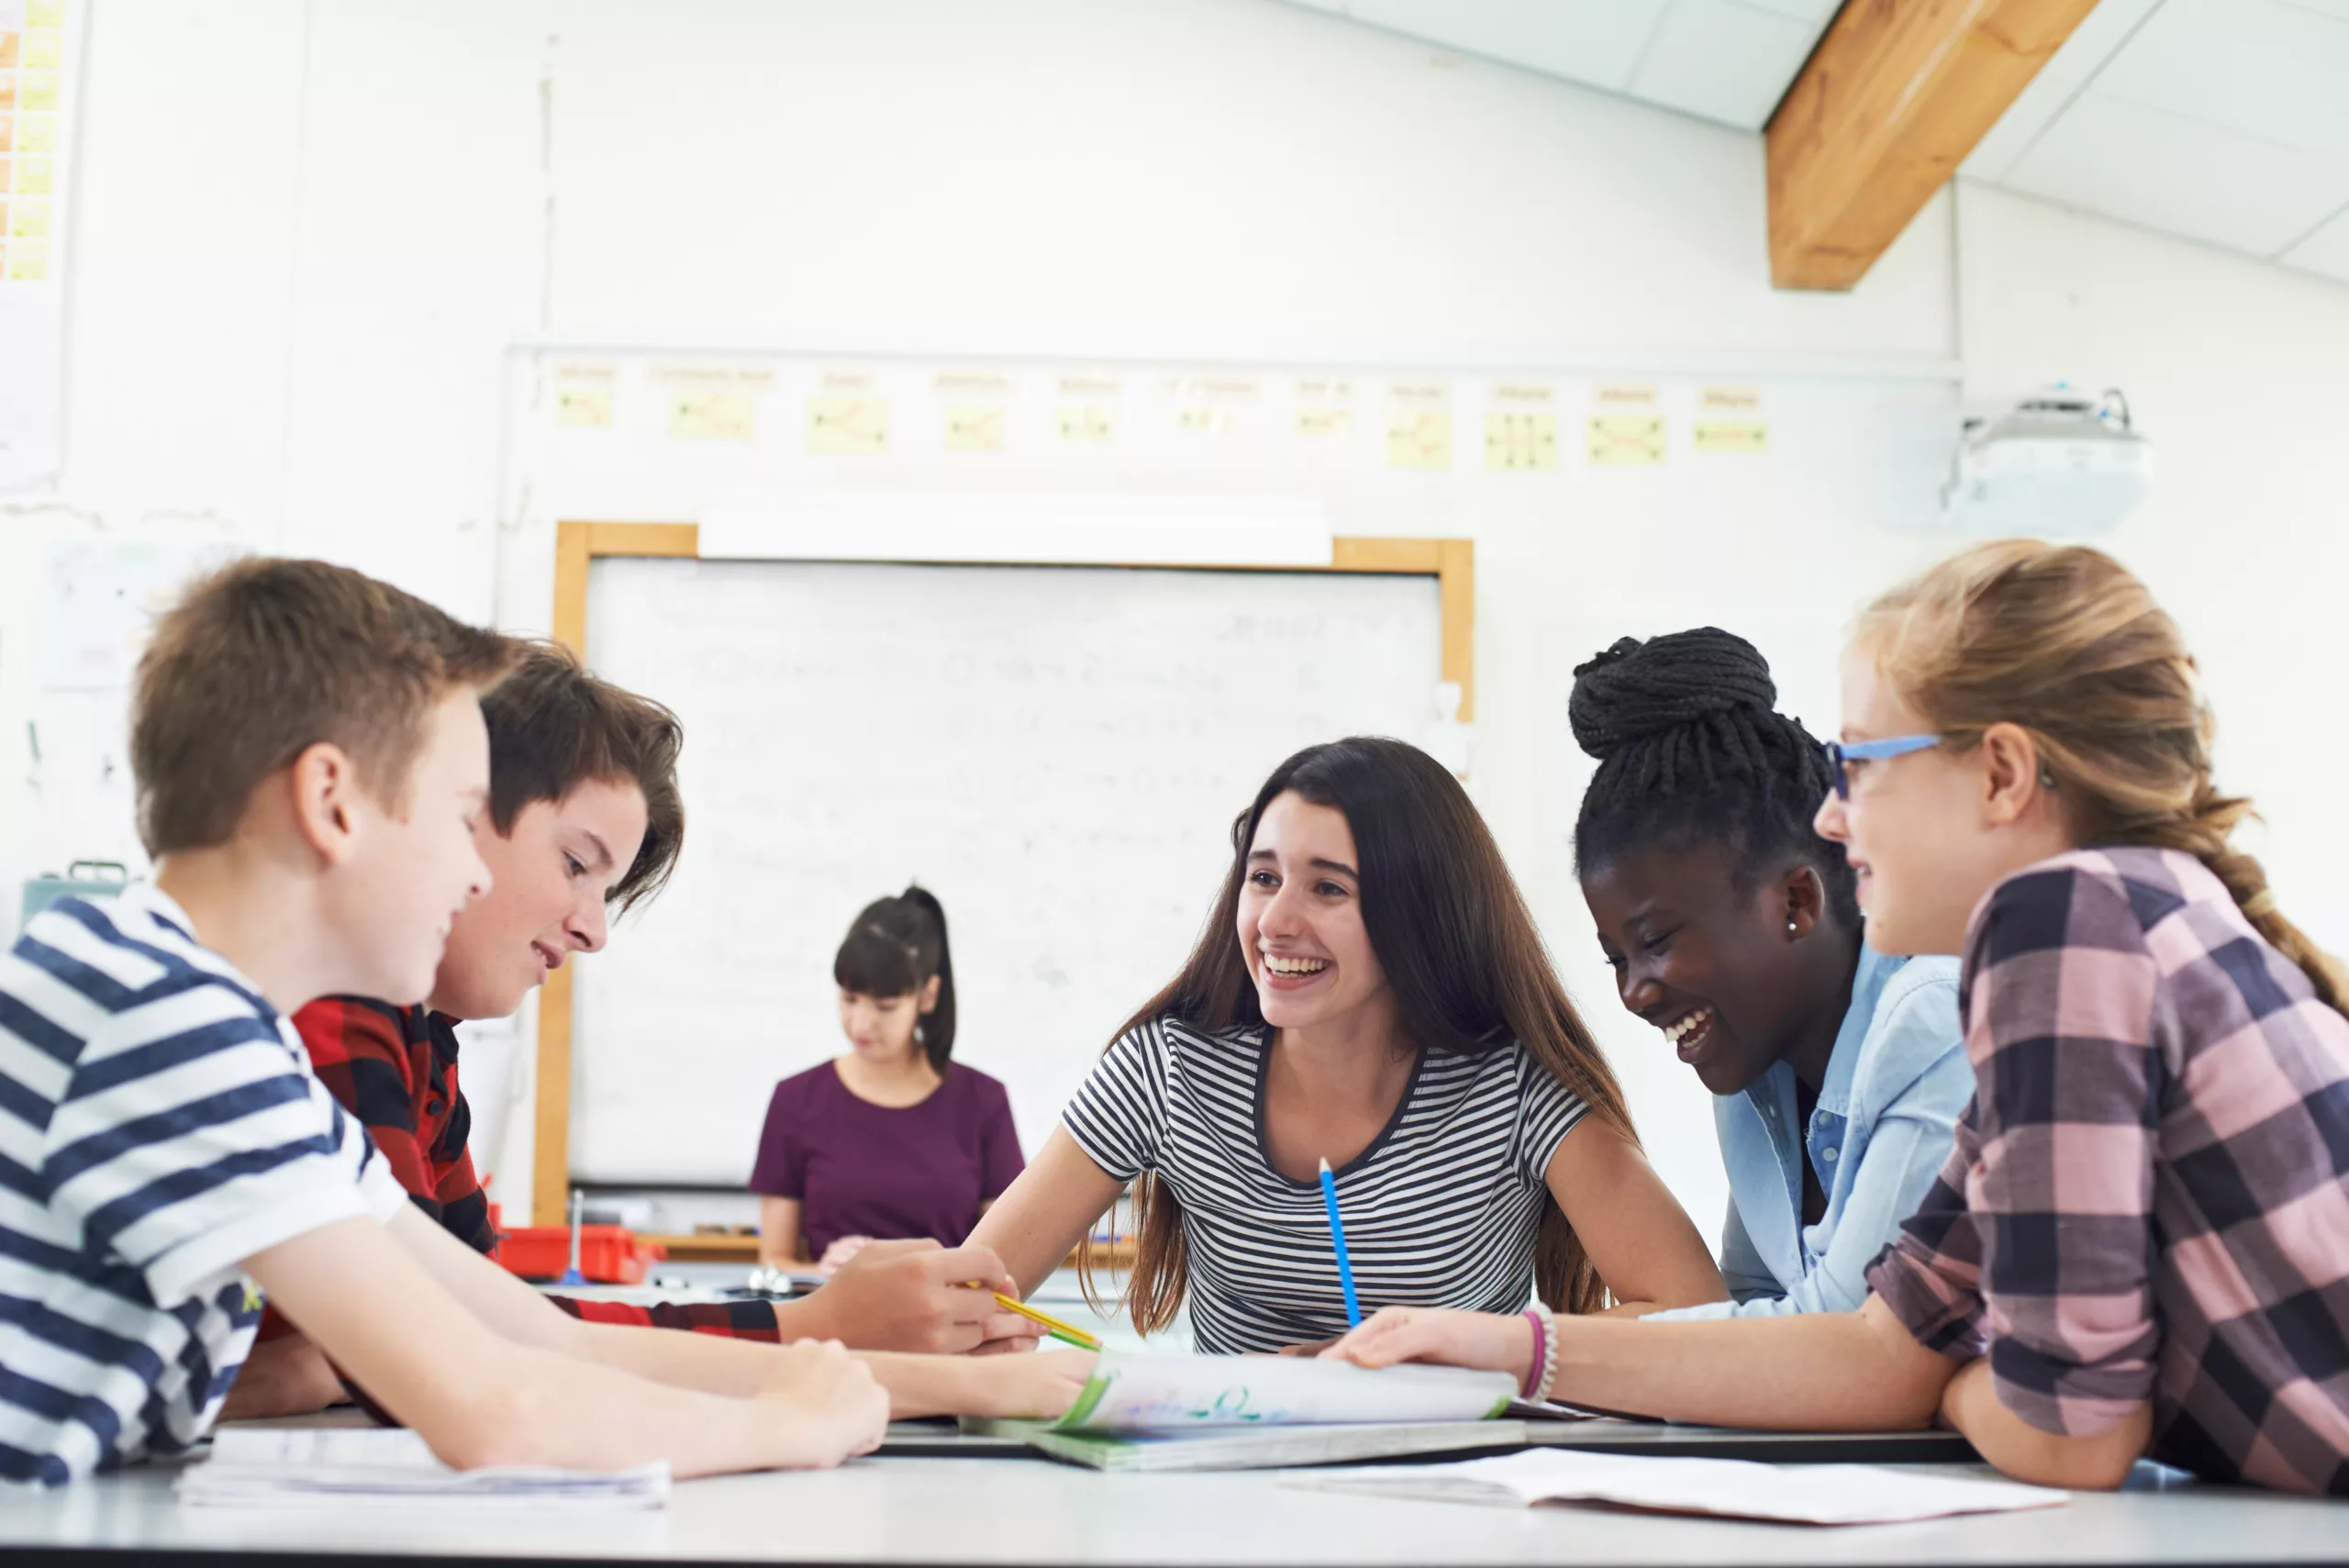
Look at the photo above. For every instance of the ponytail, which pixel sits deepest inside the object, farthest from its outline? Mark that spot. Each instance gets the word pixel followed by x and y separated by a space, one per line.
pixel 2063 642
pixel 936 1027
pixel 895 947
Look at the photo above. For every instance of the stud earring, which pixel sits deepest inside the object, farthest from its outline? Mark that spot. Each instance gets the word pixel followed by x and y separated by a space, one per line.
pixel 1792 927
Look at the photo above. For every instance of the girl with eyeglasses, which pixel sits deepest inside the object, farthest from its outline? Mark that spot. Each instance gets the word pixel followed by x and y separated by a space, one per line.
pixel 2140 1246
pixel 1838 1070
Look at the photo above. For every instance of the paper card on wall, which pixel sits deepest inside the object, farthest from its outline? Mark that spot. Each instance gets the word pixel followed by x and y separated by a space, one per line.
pixel 1205 404
pixel 1619 396
pixel 1522 395
pixel 35 133
pixel 9 49
pixel 584 393
pixel 1729 435
pixel 969 384
pixel 1419 437
pixel 7 91
pixel 7 133
pixel 712 416
pixel 1741 401
pixel 975 427
pixel 848 427
pixel 28 217
pixel 1089 424
pixel 44 49
pixel 45 13
pixel 28 262
pixel 33 176
pixel 1091 386
pixel 1325 408
pixel 1520 442
pixel 37 90
pixel 1626 441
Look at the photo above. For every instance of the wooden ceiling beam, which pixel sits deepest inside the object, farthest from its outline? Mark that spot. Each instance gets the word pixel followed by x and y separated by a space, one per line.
pixel 1893 99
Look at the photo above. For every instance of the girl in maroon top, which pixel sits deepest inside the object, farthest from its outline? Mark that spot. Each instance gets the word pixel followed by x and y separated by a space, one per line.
pixel 894 1139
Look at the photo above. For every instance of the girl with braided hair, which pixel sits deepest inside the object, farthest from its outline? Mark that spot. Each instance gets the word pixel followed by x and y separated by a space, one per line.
pixel 2140 1246
pixel 1731 925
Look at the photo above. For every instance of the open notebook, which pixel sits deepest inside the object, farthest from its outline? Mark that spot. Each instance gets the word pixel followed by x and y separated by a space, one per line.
pixel 1727 1488
pixel 391 1467
pixel 1189 1412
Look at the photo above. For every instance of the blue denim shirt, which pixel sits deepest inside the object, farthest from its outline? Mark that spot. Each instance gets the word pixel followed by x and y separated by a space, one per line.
pixel 1881 1131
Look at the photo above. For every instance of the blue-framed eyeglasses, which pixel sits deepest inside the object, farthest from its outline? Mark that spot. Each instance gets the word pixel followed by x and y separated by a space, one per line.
pixel 1838 755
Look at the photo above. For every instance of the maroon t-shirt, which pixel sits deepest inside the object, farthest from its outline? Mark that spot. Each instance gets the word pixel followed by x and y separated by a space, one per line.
pixel 890 1173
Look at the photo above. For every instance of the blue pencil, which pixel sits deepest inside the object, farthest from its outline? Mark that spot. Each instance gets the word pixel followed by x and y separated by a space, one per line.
pixel 1338 1235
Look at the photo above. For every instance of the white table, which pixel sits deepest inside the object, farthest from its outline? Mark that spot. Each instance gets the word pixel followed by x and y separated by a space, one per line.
pixel 1032 1514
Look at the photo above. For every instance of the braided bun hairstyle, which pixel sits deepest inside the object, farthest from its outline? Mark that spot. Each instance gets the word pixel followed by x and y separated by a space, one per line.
pixel 1691 751
pixel 2063 641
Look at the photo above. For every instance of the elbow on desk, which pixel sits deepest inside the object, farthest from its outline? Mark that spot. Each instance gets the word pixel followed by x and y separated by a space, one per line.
pixel 506 1421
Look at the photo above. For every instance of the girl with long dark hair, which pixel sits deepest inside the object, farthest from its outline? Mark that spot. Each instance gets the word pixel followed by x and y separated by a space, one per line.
pixel 1371 990
pixel 894 1139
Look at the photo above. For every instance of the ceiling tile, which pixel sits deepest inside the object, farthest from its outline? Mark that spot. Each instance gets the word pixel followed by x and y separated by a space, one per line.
pixel 1723 60
pixel 1817 13
pixel 2326 250
pixel 2275 69
pixel 2102 32
pixel 1592 41
pixel 2142 165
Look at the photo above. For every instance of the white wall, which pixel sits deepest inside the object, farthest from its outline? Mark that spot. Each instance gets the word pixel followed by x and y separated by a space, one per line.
pixel 301 345
pixel 2235 367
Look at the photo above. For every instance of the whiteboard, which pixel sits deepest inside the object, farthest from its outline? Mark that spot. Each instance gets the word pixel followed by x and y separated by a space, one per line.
pixel 1057 752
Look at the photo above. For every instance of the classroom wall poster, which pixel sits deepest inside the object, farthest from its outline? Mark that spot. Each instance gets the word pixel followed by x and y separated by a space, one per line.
pixel 40 56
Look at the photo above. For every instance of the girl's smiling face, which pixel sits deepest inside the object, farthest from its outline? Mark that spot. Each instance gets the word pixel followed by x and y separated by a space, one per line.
pixel 1299 921
pixel 1713 963
pixel 1930 833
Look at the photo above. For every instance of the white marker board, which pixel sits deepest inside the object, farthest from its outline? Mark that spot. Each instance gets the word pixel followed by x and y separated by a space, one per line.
pixel 1057 752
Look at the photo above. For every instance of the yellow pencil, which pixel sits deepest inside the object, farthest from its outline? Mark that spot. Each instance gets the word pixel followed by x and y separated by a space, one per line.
pixel 1067 1333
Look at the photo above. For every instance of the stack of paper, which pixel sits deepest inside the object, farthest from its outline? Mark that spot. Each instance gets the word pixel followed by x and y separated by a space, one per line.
pixel 274 1466
pixel 1731 1488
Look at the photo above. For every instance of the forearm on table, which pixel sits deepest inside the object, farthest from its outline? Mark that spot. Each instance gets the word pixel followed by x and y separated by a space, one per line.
pixel 1824 1371
pixel 710 1363
pixel 2096 1463
pixel 541 1407
pixel 922 1386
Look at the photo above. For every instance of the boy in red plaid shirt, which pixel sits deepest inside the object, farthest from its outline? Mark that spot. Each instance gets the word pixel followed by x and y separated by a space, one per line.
pixel 585 821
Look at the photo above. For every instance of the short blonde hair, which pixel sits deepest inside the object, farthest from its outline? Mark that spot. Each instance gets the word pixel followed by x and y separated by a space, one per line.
pixel 266 657
pixel 2063 642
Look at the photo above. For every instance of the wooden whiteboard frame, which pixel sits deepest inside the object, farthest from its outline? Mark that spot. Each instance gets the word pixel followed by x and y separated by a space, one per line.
pixel 578 545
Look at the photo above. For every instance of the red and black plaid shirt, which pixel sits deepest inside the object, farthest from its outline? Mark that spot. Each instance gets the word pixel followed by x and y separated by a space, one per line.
pixel 396 1069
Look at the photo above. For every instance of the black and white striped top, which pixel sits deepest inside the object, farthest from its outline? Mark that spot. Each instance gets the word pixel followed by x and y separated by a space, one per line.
pixel 1440 1211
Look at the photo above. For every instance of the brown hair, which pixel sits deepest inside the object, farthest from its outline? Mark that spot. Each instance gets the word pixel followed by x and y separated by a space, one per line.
pixel 1459 948
pixel 553 726
pixel 266 657
pixel 2064 643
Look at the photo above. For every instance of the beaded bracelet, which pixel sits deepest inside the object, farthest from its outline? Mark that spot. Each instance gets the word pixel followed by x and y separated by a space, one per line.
pixel 1543 1368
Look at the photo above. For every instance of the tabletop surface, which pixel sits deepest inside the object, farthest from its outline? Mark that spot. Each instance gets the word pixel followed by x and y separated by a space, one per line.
pixel 1024 1513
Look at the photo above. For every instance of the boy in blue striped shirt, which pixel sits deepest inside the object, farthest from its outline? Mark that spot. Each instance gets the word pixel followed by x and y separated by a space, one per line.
pixel 310 760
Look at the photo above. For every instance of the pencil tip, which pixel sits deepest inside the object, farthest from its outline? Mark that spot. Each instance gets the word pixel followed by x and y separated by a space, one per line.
pixel 1325 1164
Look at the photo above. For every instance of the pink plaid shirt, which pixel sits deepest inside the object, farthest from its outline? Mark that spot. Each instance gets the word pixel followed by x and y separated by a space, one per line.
pixel 2149 1197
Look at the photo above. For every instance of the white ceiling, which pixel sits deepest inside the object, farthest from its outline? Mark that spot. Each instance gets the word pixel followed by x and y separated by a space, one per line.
pixel 1718 59
pixel 2225 121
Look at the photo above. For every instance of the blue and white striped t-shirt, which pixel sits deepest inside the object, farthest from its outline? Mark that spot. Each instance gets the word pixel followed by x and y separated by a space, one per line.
pixel 159 1123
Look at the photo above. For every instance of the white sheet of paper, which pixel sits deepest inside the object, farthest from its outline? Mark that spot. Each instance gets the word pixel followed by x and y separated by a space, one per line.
pixel 363 1467
pixel 1137 1393
pixel 1731 1488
